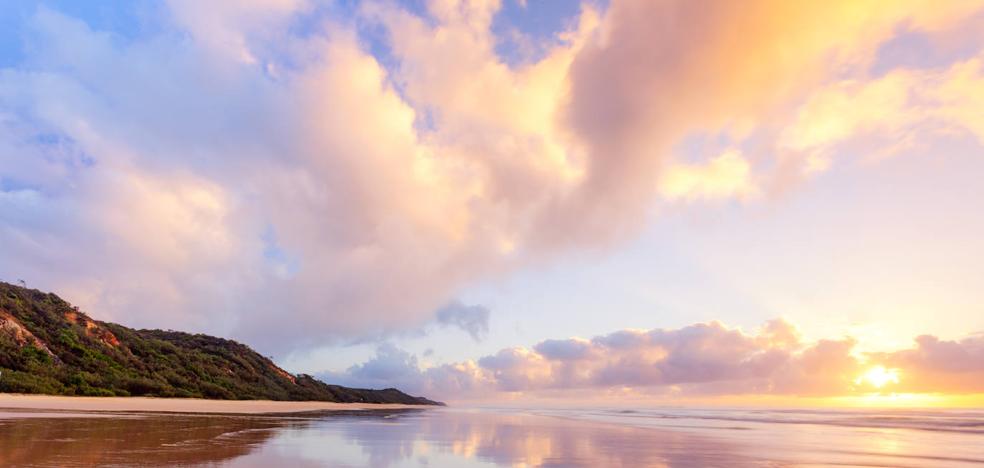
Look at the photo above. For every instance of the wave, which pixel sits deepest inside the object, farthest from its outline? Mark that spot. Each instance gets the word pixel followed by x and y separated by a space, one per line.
pixel 959 421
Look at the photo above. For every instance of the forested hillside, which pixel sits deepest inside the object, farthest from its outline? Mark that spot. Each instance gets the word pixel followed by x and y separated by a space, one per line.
pixel 48 346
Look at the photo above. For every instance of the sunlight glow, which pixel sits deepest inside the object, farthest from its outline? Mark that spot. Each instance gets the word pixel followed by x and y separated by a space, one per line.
pixel 878 377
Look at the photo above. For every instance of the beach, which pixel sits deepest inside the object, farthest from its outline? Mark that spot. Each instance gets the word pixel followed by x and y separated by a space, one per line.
pixel 159 432
pixel 180 405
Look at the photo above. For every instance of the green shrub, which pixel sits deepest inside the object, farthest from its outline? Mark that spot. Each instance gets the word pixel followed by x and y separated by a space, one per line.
pixel 12 381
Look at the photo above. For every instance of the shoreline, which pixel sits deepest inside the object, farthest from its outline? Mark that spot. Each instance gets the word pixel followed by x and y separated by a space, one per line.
pixel 16 401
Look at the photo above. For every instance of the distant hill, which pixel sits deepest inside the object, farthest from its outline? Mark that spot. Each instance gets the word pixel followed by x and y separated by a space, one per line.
pixel 47 346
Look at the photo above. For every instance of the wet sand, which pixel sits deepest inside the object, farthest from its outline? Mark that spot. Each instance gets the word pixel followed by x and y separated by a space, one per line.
pixel 181 405
pixel 389 438
pixel 474 438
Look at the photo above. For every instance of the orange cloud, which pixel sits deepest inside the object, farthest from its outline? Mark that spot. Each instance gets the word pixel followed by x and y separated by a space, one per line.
pixel 896 110
pixel 936 365
pixel 725 176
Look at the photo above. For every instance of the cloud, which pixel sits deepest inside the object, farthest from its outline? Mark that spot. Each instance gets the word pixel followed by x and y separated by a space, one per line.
pixel 235 29
pixel 394 367
pixel 896 111
pixel 704 359
pixel 641 86
pixel 935 365
pixel 258 172
pixel 723 177
pixel 565 350
pixel 473 319
pixel 389 365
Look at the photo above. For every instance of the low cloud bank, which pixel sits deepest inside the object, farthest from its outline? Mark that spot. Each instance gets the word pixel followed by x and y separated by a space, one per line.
pixel 705 359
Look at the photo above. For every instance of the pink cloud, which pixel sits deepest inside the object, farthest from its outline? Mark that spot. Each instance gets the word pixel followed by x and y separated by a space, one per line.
pixel 705 359
pixel 939 365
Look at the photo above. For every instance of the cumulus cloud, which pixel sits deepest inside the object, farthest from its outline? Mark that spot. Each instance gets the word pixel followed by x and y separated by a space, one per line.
pixel 238 174
pixel 565 350
pixel 935 365
pixel 390 364
pixel 473 319
pixel 705 359
pixel 660 70
pixel 394 367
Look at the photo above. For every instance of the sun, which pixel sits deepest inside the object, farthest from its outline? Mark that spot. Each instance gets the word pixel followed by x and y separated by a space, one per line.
pixel 878 377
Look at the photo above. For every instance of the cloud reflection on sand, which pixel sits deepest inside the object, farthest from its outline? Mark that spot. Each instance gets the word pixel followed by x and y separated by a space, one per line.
pixel 454 437
pixel 394 439
pixel 458 438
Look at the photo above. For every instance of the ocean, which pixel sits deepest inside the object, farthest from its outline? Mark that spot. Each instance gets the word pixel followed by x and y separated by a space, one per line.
pixel 487 437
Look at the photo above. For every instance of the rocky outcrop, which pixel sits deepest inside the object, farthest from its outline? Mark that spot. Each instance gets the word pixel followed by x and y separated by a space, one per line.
pixel 11 327
pixel 92 328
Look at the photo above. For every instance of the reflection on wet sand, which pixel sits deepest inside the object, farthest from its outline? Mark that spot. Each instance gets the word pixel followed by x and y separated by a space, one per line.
pixel 78 439
pixel 459 438
pixel 525 440
pixel 383 439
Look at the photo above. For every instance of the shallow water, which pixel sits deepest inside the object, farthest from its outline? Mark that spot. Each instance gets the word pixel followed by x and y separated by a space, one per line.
pixel 475 438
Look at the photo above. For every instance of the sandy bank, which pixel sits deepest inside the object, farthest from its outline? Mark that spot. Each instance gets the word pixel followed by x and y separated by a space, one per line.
pixel 180 405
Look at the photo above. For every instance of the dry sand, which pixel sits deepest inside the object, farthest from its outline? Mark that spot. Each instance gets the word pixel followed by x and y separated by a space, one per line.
pixel 180 405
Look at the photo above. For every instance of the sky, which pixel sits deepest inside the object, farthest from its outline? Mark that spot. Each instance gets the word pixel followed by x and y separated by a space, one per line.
pixel 516 200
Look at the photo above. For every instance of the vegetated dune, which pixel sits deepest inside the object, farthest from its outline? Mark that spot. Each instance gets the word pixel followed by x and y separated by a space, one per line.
pixel 47 346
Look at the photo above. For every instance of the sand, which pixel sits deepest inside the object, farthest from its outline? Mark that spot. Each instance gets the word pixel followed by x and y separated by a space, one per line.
pixel 180 405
